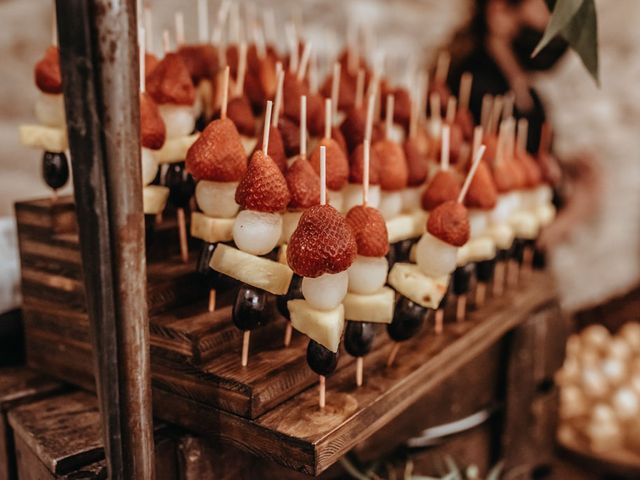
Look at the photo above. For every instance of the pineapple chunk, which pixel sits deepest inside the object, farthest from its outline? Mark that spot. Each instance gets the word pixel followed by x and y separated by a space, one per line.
pixel 325 327
pixel 259 272
pixel 212 230
pixel 406 226
pixel 175 149
pixel 282 254
pixel 375 308
pixel 408 280
pixel 154 199
pixel 50 139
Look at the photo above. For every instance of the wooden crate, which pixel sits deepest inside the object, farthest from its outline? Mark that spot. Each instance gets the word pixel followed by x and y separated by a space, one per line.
pixel 270 407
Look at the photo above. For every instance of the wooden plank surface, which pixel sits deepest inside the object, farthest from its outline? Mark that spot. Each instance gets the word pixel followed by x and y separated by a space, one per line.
pixel 300 435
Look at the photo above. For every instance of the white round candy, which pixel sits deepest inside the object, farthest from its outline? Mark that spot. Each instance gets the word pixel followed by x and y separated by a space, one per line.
pixel 434 257
pixel 149 166
pixel 178 119
pixel 412 198
pixel 367 275
pixel 327 291
pixel 626 404
pixel 257 232
pixel 572 402
pixel 50 109
pixel 595 336
pixel 390 204
pixel 217 199
pixel 353 196
pixel 478 222
pixel 502 211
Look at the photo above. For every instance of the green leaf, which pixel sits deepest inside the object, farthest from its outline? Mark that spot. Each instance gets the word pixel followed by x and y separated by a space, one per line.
pixel 576 21
pixel 563 12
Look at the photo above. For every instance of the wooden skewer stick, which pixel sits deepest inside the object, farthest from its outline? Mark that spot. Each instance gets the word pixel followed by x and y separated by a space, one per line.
pixel 496 112
pixel 439 321
pixel 451 110
pixel 485 111
pixel 477 157
pixel 335 90
pixel 304 61
pixel 246 338
pixel 266 129
pixel 423 83
pixel 388 120
pixel 509 100
pixel 434 103
pixel 322 399
pixel 359 88
pixel 182 230
pixel 498 278
pixel 481 294
pixel 278 101
pixel 414 113
pixel 203 21
pixel 442 67
pixel 327 118
pixel 523 130
pixel 292 40
pixel 545 138
pixel 461 307
pixel 466 80
pixel 225 93
pixel 444 148
pixel 359 371
pixel 393 354
pixel 365 174
pixel 303 126
pixel 166 41
pixel 242 69
pixel 179 20
pixel 212 299
pixel 148 28
pixel 369 125
pixel 54 27
pixel 323 175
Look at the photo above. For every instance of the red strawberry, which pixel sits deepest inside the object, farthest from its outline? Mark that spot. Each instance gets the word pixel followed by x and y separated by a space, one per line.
pixel 482 191
pixel 217 155
pixel 530 167
pixel 356 166
pixel 322 243
pixel 150 62
pixel 449 222
pixel 200 60
pixel 292 90
pixel 401 105
pixel 417 161
pixel 337 164
pixel 170 82
pixel 315 114
pixel 394 173
pixel 276 148
pixel 47 72
pixel 240 113
pixel 263 188
pixel 290 134
pixel 503 176
pixel 346 90
pixel 152 129
pixel 464 120
pixel 304 184
pixel 445 185
pixel 369 230
pixel 336 134
pixel 353 127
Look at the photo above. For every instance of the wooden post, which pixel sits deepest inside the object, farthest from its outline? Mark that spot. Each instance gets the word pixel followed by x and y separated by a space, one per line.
pixel 99 62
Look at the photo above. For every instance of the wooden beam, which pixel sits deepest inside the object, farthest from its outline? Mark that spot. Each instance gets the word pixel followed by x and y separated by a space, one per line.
pixel 99 62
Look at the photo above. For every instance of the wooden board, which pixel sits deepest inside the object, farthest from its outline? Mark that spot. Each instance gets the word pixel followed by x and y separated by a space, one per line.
pixel 19 385
pixel 301 436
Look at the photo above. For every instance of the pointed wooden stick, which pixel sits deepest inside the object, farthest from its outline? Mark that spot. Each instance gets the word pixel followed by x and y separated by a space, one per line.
pixel 444 148
pixel 388 120
pixel 523 131
pixel 434 103
pixel 266 128
pixel 365 180
pixel 242 69
pixel 498 278
pixel 509 100
pixel 246 339
pixel 496 112
pixel 182 231
pixel 369 125
pixel 303 126
pixel 359 88
pixel 481 294
pixel 203 21
pixel 292 40
pixel 166 41
pixel 322 394
pixel 466 80
pixel 442 67
pixel 485 112
pixel 148 29
pixel 439 321
pixel 288 333
pixel 327 118
pixel 323 175
pixel 335 90
pixel 212 300
pixel 472 171
pixel 304 61
pixel 278 101
pixel 393 353
pixel 450 116
pixel 359 371
pixel 179 22
pixel 225 93
pixel 461 308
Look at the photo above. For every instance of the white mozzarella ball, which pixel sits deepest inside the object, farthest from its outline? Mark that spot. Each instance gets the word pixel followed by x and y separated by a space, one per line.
pixel 412 198
pixel 390 204
pixel 327 291
pixel 434 257
pixel 626 404
pixel 353 196
pixel 257 232
pixel 50 109
pixel 217 199
pixel 149 166
pixel 630 333
pixel 502 211
pixel 335 198
pixel 544 194
pixel 595 336
pixel 178 119
pixel 289 223
pixel 572 402
pixel 478 222
pixel 367 275
pixel 614 370
pixel 618 348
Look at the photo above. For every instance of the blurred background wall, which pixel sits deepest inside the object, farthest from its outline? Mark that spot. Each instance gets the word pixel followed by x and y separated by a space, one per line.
pixel 601 259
